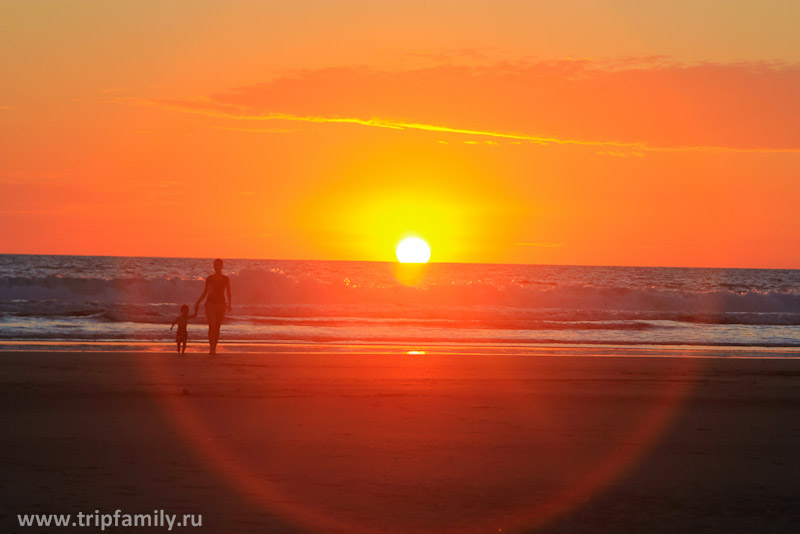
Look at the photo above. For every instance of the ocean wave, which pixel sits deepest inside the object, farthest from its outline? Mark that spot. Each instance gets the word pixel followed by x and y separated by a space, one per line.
pixel 273 289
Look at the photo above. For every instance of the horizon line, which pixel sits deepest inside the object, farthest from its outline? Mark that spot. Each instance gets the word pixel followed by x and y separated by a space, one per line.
pixel 211 258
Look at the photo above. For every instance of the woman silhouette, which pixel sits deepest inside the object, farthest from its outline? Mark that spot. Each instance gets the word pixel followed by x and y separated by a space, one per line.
pixel 218 286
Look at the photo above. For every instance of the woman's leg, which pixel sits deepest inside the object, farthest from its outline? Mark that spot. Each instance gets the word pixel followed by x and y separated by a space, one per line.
pixel 215 315
pixel 213 334
pixel 211 316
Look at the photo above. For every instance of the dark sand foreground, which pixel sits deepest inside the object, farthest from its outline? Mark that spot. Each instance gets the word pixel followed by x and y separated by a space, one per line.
pixel 277 443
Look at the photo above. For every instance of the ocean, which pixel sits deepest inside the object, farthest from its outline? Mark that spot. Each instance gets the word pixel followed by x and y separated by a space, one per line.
pixel 128 303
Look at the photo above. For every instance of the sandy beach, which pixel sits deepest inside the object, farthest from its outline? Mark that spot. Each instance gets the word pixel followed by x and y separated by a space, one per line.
pixel 290 443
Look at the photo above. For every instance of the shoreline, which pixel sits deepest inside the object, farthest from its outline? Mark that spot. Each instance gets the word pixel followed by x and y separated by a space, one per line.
pixel 410 348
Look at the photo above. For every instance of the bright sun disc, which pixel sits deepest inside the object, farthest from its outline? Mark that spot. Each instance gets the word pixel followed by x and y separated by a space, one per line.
pixel 413 250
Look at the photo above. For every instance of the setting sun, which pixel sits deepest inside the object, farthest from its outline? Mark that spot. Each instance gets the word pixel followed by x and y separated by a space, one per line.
pixel 413 250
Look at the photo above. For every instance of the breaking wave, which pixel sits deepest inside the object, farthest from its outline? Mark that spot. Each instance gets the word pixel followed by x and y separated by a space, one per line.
pixel 271 295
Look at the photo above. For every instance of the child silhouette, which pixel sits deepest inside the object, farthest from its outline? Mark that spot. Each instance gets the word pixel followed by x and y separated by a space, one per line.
pixel 183 335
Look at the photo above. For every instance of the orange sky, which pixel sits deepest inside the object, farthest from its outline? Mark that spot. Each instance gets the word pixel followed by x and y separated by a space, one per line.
pixel 582 132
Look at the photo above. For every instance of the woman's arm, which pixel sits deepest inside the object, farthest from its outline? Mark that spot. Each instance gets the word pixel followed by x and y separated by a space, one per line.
pixel 205 292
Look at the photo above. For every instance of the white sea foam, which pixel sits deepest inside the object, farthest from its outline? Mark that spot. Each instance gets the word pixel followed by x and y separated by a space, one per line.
pixel 42 297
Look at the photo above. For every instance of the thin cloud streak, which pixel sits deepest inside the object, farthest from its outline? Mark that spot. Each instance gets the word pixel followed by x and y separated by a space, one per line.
pixel 404 125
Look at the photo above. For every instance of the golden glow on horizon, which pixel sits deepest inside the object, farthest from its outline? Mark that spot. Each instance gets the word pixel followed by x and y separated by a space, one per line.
pixel 413 250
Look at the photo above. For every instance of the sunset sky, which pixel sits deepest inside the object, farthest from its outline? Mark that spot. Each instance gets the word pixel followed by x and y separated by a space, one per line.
pixel 579 132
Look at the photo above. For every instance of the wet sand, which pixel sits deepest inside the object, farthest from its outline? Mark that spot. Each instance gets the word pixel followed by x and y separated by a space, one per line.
pixel 291 443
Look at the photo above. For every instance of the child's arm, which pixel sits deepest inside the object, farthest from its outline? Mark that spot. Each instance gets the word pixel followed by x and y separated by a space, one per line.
pixel 193 315
pixel 173 324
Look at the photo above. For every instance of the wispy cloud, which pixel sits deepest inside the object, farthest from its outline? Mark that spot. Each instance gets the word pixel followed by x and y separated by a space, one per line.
pixel 636 147
pixel 194 108
pixel 5 107
pixel 628 107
